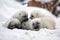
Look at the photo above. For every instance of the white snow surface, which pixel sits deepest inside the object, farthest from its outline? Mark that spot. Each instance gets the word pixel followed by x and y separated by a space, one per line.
pixel 10 7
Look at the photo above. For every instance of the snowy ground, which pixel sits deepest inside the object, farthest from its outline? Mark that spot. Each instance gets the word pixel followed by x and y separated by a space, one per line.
pixel 7 9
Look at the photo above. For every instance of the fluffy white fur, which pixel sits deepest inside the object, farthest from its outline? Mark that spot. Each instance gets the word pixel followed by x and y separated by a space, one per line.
pixel 39 13
pixel 19 15
pixel 45 22
pixel 13 21
pixel 17 18
pixel 27 25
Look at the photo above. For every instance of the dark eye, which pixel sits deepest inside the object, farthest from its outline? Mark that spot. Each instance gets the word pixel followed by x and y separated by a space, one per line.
pixel 32 16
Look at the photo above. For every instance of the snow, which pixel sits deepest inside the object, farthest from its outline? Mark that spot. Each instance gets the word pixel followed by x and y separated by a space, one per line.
pixel 10 7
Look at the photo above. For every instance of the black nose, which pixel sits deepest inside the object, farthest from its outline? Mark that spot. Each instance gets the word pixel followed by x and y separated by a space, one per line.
pixel 36 25
pixel 25 19
pixel 31 17
pixel 25 16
